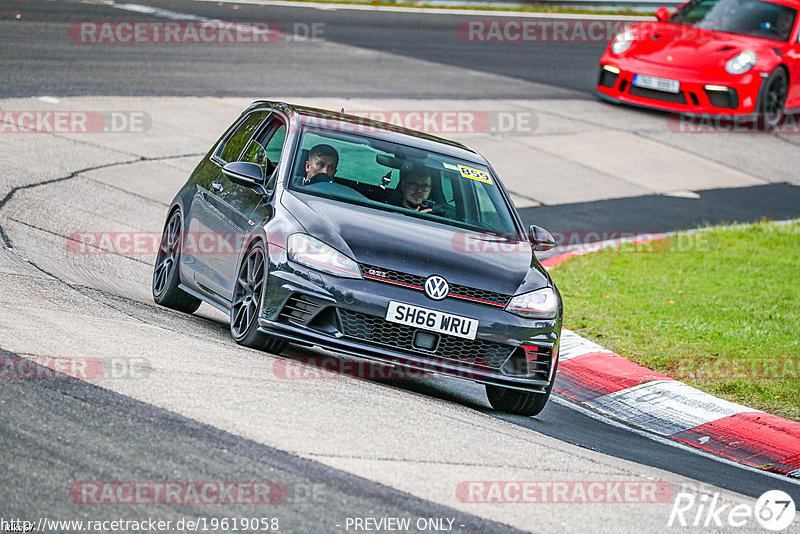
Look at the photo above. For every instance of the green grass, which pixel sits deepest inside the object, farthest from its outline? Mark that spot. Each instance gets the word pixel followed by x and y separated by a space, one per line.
pixel 719 310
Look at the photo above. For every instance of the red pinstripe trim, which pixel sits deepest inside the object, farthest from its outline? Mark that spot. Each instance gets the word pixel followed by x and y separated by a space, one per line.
pixel 476 300
pixel 392 282
pixel 385 280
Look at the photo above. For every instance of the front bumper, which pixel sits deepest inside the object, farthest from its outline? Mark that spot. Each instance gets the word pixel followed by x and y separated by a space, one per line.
pixel 348 316
pixel 697 95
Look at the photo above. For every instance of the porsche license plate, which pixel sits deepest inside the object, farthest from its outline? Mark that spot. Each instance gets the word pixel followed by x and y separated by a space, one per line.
pixel 659 84
pixel 432 320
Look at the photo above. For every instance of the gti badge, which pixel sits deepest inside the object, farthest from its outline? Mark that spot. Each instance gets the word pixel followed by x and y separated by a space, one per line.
pixel 436 287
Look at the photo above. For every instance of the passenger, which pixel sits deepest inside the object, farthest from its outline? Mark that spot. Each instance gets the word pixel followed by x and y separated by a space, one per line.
pixel 414 188
pixel 322 159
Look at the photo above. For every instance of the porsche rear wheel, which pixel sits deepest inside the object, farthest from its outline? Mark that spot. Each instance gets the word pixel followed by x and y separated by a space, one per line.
pixel 247 294
pixel 772 105
pixel 165 273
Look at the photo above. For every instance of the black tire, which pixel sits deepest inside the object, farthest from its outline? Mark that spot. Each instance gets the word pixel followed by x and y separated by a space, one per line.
pixel 165 272
pixel 519 402
pixel 772 100
pixel 246 307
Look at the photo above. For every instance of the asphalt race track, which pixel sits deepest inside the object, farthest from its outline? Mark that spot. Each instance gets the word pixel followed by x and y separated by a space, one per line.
pixel 174 399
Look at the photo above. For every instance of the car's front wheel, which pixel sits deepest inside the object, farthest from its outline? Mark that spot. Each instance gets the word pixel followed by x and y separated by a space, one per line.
pixel 772 103
pixel 519 402
pixel 247 294
pixel 165 273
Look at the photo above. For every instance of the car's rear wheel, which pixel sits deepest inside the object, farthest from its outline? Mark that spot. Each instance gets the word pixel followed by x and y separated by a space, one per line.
pixel 247 294
pixel 165 273
pixel 519 402
pixel 772 105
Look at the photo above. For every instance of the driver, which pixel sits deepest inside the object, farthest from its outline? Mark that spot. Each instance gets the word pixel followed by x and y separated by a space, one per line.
pixel 783 26
pixel 414 188
pixel 322 159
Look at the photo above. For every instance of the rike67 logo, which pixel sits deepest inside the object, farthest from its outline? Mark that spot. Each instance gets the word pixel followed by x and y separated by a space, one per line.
pixel 774 510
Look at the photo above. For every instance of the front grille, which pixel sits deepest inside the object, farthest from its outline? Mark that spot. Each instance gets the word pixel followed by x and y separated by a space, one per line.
pixel 378 331
pixel 539 361
pixel 675 98
pixel 607 79
pixel 530 360
pixel 723 99
pixel 391 276
pixel 416 282
pixel 485 297
pixel 541 370
pixel 299 309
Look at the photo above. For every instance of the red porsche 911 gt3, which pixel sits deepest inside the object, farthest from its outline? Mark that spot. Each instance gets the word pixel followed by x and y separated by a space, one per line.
pixel 719 57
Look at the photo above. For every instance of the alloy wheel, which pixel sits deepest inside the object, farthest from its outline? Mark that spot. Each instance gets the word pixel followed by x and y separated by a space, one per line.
pixel 247 293
pixel 167 253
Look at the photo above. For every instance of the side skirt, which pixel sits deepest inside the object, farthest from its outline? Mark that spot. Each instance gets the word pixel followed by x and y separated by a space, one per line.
pixel 211 298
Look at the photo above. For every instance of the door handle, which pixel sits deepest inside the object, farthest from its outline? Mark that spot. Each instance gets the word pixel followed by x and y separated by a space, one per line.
pixel 216 186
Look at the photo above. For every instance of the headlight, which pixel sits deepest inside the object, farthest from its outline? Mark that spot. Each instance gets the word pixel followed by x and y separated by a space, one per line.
pixel 306 250
pixel 741 63
pixel 539 304
pixel 622 42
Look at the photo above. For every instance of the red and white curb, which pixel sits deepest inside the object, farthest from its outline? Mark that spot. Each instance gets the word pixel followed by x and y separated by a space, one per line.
pixel 619 388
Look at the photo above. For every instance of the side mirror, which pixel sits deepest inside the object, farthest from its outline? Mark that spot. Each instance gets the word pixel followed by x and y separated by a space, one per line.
pixel 244 173
pixel 662 13
pixel 541 238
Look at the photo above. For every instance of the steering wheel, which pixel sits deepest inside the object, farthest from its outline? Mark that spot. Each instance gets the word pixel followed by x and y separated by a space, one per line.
pixel 442 209
pixel 320 177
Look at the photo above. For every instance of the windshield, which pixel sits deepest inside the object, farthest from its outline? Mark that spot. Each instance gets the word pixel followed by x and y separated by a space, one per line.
pixel 745 17
pixel 387 176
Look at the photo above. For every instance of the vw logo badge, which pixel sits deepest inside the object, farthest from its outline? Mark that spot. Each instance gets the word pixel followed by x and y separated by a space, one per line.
pixel 436 287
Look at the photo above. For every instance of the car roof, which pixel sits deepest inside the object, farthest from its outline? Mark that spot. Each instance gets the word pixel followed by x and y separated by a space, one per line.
pixel 381 130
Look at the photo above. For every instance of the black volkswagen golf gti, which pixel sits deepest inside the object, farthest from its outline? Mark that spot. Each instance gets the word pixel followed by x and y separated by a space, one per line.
pixel 327 229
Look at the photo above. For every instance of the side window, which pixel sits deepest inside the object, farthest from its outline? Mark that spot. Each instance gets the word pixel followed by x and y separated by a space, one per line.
pixel 487 212
pixel 275 145
pixel 266 150
pixel 462 196
pixel 447 188
pixel 255 153
pixel 230 149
